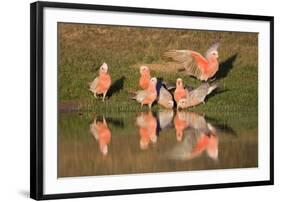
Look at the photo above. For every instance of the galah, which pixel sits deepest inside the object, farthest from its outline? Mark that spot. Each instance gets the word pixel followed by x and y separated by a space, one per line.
pixel 102 134
pixel 201 67
pixel 147 124
pixel 148 96
pixel 144 77
pixel 101 84
pixel 196 96
pixel 165 98
pixel 180 92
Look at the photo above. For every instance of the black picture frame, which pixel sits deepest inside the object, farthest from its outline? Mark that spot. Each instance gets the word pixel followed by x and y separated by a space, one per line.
pixel 36 99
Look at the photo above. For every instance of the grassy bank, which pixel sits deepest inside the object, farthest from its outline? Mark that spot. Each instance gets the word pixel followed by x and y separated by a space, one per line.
pixel 83 48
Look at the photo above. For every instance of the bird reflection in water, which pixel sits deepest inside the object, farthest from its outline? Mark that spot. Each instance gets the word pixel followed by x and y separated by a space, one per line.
pixel 102 134
pixel 196 135
pixel 147 124
pixel 180 123
pixel 164 120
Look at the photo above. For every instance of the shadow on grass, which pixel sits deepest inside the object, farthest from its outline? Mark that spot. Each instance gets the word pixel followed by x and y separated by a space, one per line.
pixel 215 93
pixel 117 86
pixel 225 67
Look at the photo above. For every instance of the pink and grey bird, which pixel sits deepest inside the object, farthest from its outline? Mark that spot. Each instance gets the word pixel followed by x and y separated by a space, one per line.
pixel 165 98
pixel 180 91
pixel 196 96
pixel 145 77
pixel 148 96
pixel 101 84
pixel 201 67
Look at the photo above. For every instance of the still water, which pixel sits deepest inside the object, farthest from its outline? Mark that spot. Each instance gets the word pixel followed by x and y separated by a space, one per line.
pixel 145 142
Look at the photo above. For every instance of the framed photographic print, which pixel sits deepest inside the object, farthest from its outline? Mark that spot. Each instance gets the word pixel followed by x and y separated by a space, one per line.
pixel 134 100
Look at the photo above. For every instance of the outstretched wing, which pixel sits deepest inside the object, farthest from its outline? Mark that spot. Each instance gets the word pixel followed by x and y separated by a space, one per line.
pixel 180 56
pixel 202 91
pixel 193 62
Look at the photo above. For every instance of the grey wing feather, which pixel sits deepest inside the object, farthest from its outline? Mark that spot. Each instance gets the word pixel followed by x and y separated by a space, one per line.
pixel 164 93
pixel 94 84
pixel 140 95
pixel 186 59
pixel 202 91
pixel 180 56
pixel 192 69
pixel 164 96
pixel 211 88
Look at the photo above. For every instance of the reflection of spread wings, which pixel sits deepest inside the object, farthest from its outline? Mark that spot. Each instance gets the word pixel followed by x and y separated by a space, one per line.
pixel 192 61
pixel 183 150
pixel 195 121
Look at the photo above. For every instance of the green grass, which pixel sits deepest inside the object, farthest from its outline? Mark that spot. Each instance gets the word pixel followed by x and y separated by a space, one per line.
pixel 83 48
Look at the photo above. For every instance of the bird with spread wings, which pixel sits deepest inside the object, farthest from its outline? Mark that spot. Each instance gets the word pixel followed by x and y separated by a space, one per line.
pixel 201 67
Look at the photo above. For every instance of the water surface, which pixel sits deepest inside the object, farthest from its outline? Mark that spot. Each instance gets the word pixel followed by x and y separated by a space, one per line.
pixel 144 142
